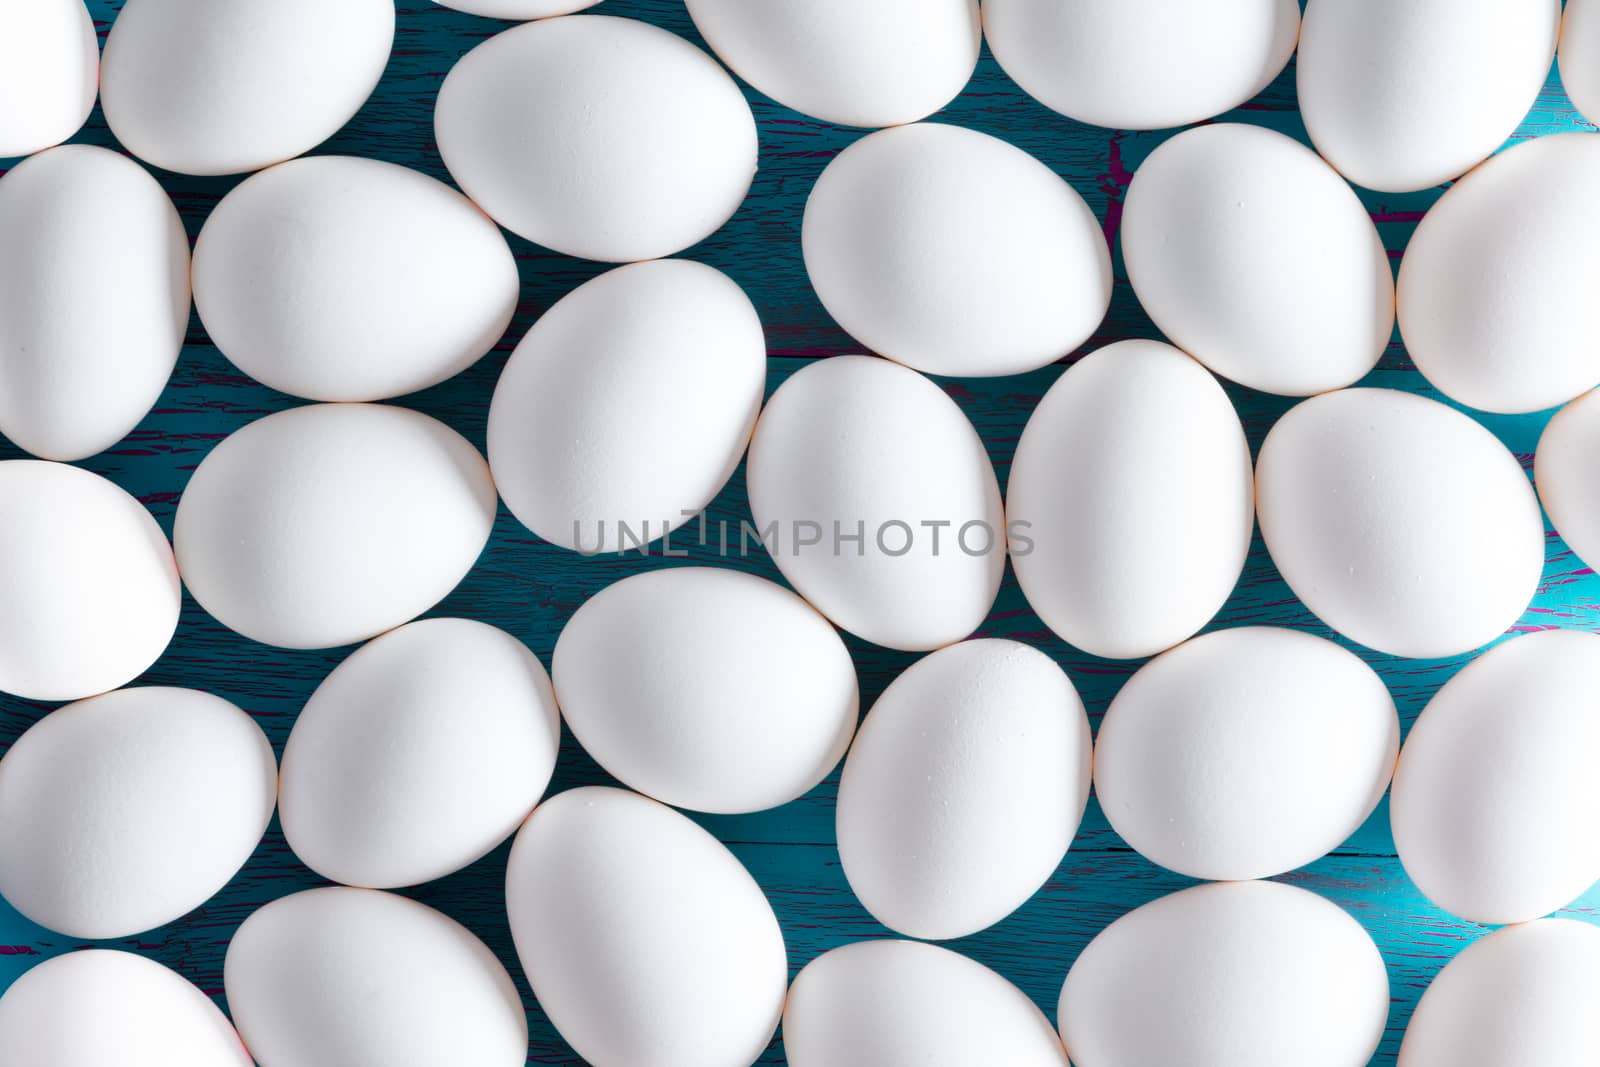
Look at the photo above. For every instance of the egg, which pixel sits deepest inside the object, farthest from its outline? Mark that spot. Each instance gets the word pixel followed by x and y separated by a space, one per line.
pixel 518 9
pixel 1141 64
pixel 1521 996
pixel 707 688
pixel 1401 98
pixel 917 268
pixel 1232 974
pixel 328 524
pixel 91 591
pixel 904 1003
pixel 1132 483
pixel 1579 55
pixel 963 789
pixel 49 73
pixel 880 63
pixel 1563 470
pixel 1401 523
pixel 1254 256
pixel 1245 753
pixel 628 405
pixel 94 299
pixel 420 753
pixel 227 86
pixel 337 278
pixel 1492 275
pixel 339 975
pixel 644 939
pixel 598 137
pixel 97 1006
pixel 878 502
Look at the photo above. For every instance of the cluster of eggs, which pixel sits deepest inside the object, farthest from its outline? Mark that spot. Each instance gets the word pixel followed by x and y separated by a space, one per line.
pixel 1231 757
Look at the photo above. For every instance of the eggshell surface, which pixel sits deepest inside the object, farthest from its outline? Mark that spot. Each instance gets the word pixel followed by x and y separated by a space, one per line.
pixel 917 268
pixel 963 789
pixel 1563 469
pixel 599 137
pixel 1579 55
pixel 49 73
pixel 328 524
pixel 643 938
pixel 336 278
pixel 518 9
pixel 1133 482
pixel 858 448
pixel 1375 503
pixel 707 689
pixel 1232 974
pixel 1252 255
pixel 628 406
pixel 94 299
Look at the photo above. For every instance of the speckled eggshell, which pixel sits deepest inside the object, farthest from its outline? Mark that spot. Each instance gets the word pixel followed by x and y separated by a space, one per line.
pixel 1564 469
pixel 1579 55
pixel 518 9
pixel 49 73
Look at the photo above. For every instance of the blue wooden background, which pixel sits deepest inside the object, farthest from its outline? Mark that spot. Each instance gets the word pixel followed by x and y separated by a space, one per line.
pixel 530 588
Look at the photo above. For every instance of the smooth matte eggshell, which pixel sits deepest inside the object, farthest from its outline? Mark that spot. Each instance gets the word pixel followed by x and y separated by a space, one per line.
pixel 49 73
pixel 518 9
pixel 1564 469
pixel 1579 55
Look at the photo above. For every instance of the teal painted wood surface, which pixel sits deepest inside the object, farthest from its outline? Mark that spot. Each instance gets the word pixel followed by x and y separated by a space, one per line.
pixel 530 588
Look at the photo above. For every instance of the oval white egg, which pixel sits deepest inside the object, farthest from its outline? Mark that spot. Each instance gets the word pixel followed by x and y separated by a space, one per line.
pixel 1522 995
pixel 628 405
pixel 881 63
pixel 227 86
pixel 1232 974
pixel 337 278
pixel 1245 753
pixel 420 753
pixel 683 965
pixel 878 502
pixel 518 9
pixel 917 268
pixel 1252 255
pixel 92 592
pixel 1492 276
pixel 1563 470
pixel 1141 64
pixel 94 299
pixel 1579 55
pixel 599 137
pixel 1401 98
pixel 328 524
pixel 1504 747
pixel 963 789
pixel 892 1003
pixel 1374 504
pixel 707 689
pixel 97 1006
pixel 1132 484
pixel 340 975
pixel 49 73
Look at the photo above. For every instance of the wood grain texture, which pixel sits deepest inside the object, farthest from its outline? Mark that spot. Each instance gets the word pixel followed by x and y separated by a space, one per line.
pixel 529 588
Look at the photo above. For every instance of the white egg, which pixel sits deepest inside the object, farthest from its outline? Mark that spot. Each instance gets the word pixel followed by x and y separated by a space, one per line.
pixel 1495 798
pixel 1402 97
pixel 1245 753
pixel 49 73
pixel 879 63
pixel 878 502
pixel 355 976
pixel 419 754
pixel 599 137
pixel 94 299
pixel 1232 974
pixel 1400 522
pixel 1132 485
pixel 644 939
pixel 1252 255
pixel 1492 276
pixel 328 524
pixel 1564 468
pixel 91 590
pixel 907 1004
pixel 1520 997
pixel 628 405
pixel 963 789
pixel 518 9
pixel 1579 56
pixel 226 86
pixel 707 689
pixel 337 278
pixel 1141 64
pixel 917 268
pixel 97 1007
